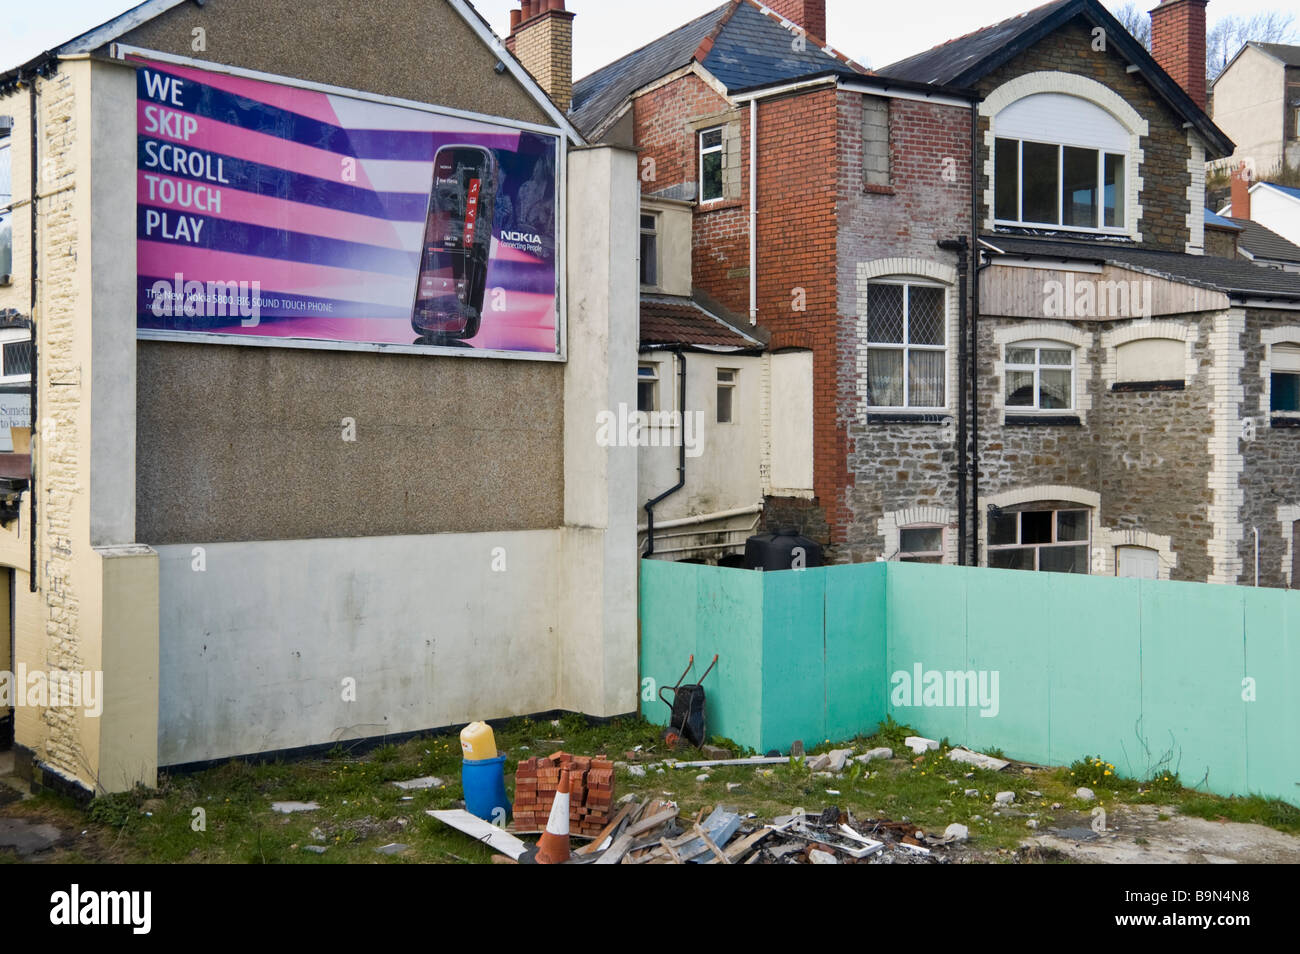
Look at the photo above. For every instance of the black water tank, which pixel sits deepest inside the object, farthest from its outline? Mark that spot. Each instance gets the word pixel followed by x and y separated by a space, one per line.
pixel 777 551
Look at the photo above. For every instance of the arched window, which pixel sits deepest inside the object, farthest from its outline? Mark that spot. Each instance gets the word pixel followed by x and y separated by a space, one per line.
pixel 1063 162
pixel 907 339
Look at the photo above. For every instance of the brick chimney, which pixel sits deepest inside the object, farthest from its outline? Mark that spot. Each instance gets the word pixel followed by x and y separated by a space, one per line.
pixel 1178 44
pixel 541 37
pixel 1241 192
pixel 809 14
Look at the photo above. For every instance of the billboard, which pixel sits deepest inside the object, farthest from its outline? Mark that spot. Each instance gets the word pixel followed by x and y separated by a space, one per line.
pixel 271 213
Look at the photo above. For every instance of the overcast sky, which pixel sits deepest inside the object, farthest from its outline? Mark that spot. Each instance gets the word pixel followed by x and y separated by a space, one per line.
pixel 606 29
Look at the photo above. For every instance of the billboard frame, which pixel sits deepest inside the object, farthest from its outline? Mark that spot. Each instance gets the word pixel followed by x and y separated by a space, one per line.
pixel 123 52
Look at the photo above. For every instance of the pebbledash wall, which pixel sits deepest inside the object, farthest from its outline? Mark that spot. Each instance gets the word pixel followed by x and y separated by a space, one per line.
pixel 1187 676
pixel 208 556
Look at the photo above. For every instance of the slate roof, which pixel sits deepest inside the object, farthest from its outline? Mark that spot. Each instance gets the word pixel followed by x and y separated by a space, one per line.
pixel 1263 242
pixel 967 59
pixel 669 320
pixel 739 44
pixel 1288 54
pixel 1236 276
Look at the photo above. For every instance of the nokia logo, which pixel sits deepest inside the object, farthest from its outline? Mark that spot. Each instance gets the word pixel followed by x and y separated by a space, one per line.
pixel 526 237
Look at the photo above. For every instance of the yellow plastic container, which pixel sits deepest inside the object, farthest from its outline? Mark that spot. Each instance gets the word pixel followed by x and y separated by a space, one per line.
pixel 477 742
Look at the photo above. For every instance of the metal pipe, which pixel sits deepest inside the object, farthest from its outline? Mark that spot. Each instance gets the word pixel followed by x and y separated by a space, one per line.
pixel 681 459
pixel 974 350
pixel 753 212
pixel 31 485
pixel 706 517
pixel 961 247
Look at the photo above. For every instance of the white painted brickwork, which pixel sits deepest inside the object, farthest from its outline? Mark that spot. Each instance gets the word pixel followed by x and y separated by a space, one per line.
pixel 1226 496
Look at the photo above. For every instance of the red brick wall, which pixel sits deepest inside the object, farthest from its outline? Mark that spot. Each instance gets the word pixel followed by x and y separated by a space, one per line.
pixel 797 249
pixel 663 131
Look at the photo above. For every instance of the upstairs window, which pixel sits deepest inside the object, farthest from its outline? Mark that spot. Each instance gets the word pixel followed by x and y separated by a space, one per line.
pixel 907 345
pixel 6 200
pixel 711 155
pixel 726 395
pixel 650 250
pixel 1284 379
pixel 1043 184
pixel 1060 162
pixel 647 387
pixel 1040 376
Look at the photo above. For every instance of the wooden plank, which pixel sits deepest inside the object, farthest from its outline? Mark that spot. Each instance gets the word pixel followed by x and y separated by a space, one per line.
pixel 607 831
pixel 708 843
pixel 616 851
pixel 654 821
pixel 739 849
pixel 480 830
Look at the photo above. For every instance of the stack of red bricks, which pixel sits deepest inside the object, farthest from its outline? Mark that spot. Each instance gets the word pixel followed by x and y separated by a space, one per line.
pixel 591 792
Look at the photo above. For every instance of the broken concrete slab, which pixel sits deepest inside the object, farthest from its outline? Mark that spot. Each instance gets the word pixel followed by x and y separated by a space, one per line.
pixel 396 848
pixel 920 744
pixel 314 849
pixel 288 808
pixel 1084 794
pixel 978 759
pixel 838 757
pixel 419 784
pixel 637 770
pixel 26 837
pixel 1004 798
pixel 715 752
pixel 818 763
pixel 873 754
pixel 818 857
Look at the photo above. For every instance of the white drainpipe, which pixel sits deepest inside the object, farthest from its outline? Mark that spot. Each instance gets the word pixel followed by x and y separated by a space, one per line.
pixel 753 211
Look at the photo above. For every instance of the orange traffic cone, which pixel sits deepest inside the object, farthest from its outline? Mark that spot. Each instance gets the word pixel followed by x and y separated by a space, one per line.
pixel 553 848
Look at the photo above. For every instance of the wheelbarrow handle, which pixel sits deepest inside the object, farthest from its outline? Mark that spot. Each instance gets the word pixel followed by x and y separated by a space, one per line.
pixel 710 669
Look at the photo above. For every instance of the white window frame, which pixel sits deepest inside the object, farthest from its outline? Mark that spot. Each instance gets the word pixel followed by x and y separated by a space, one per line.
pixel 1100 228
pixel 991 548
pixel 652 377
pixel 733 386
pixel 1289 364
pixel 721 150
pixel 12 336
pixel 905 556
pixel 6 198
pixel 653 231
pixel 905 347
pixel 1038 345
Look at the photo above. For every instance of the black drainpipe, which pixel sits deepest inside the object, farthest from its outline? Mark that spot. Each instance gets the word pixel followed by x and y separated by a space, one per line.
pixel 31 485
pixel 961 246
pixel 975 177
pixel 681 458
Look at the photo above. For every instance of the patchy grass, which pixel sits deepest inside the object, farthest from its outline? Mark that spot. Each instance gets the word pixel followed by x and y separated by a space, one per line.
pixel 360 811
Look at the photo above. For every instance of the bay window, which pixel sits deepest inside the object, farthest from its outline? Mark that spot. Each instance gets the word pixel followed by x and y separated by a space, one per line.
pixel 907 334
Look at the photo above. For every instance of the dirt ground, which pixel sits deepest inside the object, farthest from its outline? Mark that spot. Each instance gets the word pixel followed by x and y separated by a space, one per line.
pixel 1135 835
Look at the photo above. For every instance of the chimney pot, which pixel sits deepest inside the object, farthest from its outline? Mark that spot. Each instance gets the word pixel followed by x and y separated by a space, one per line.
pixel 515 17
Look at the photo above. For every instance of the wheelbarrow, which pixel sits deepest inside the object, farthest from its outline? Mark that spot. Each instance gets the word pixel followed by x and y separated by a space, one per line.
pixel 687 708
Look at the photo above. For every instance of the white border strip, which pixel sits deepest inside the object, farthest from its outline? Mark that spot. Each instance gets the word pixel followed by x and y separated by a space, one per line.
pixel 122 51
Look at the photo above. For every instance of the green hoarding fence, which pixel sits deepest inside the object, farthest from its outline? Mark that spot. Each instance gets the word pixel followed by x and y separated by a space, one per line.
pixel 1047 667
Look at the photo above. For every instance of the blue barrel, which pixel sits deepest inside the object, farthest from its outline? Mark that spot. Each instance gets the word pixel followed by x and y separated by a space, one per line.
pixel 484 784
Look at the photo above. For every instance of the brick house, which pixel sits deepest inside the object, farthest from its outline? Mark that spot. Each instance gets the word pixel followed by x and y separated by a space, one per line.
pixel 1106 397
